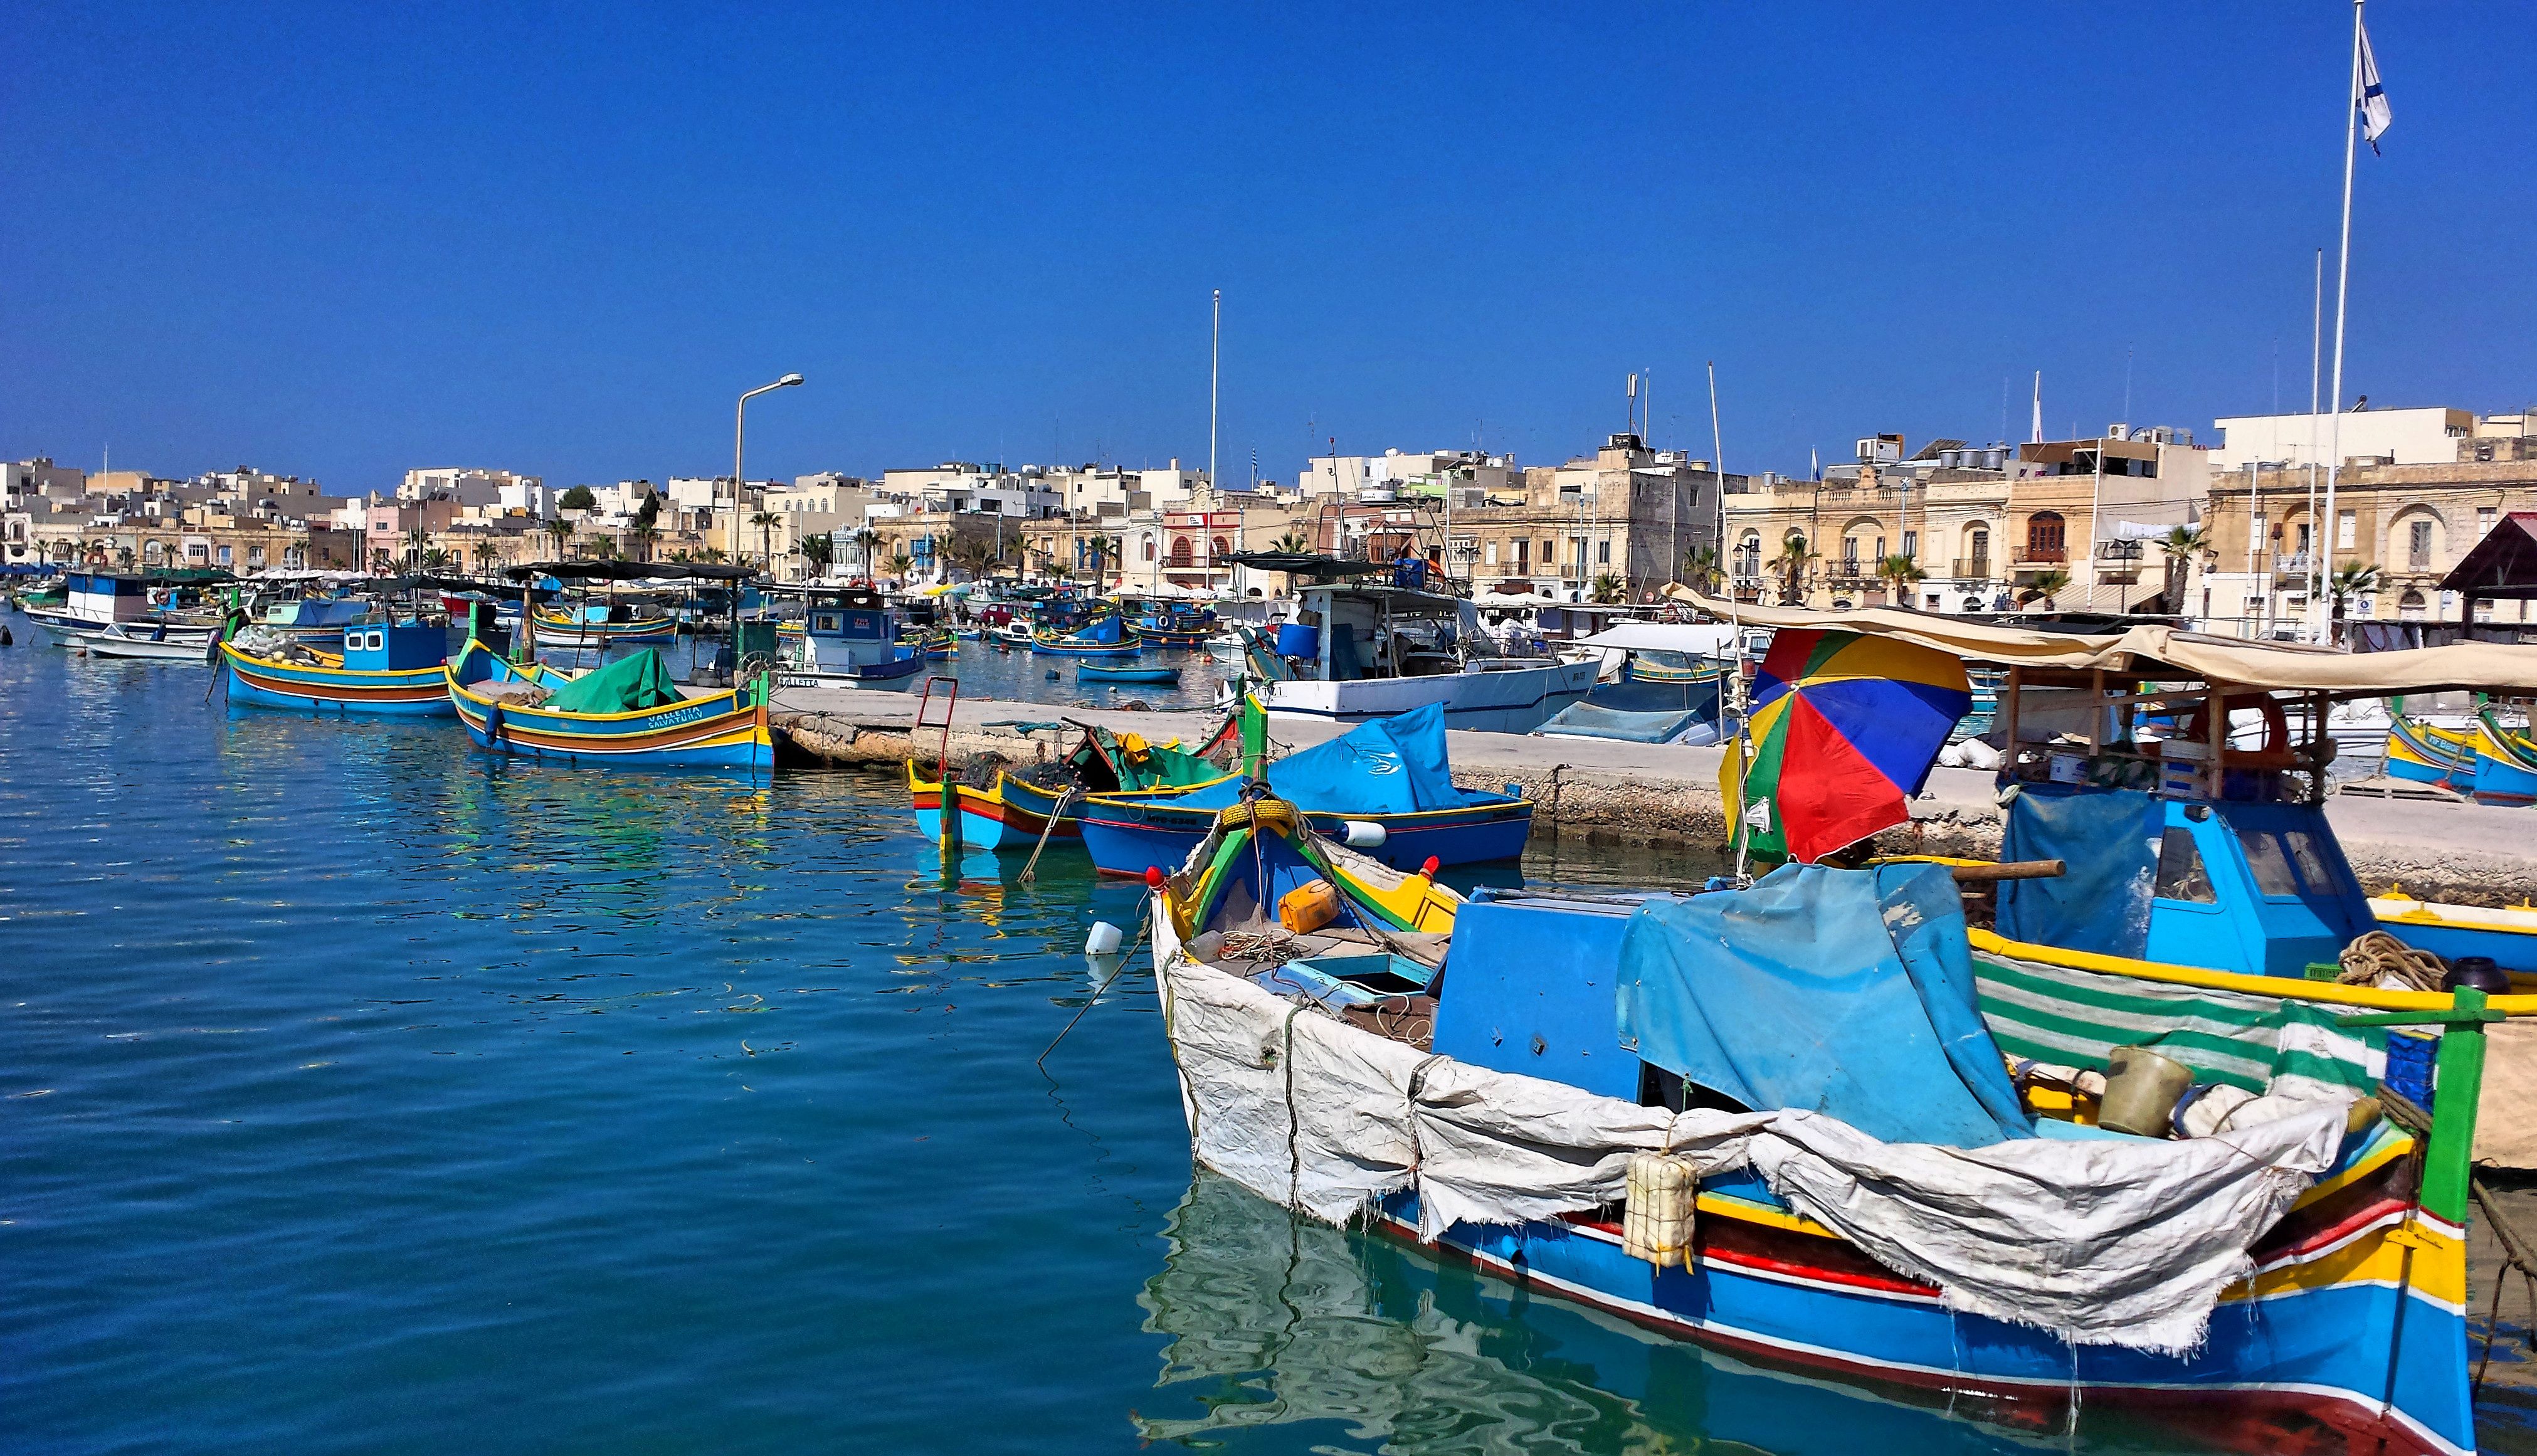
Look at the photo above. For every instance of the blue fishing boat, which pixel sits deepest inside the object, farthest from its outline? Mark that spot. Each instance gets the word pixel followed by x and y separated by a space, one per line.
pixel 2506 763
pixel 385 670
pixel 1094 673
pixel 1102 636
pixel 1171 624
pixel 629 712
pixel 2425 753
pixel 1387 785
pixel 1811 1123
pixel 850 639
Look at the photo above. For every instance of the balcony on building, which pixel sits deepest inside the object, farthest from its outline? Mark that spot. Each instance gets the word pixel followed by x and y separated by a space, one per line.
pixel 2119 562
pixel 1971 568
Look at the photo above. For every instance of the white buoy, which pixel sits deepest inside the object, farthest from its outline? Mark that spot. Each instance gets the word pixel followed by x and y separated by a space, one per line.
pixel 1363 834
pixel 1103 940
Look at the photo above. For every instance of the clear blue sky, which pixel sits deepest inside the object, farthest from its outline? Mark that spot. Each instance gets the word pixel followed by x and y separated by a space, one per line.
pixel 343 240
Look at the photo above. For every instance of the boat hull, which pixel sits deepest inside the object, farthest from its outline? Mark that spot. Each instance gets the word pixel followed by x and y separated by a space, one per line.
pixel 719 730
pixel 260 682
pixel 1124 837
pixel 551 632
pixel 2423 754
pixel 1006 815
pixel 1166 676
pixel 2506 767
pixel 1502 700
pixel 1164 637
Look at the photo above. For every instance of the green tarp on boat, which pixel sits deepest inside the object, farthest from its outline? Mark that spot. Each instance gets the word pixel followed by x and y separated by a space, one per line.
pixel 625 685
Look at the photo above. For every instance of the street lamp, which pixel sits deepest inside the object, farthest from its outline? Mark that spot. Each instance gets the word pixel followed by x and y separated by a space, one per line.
pixel 738 430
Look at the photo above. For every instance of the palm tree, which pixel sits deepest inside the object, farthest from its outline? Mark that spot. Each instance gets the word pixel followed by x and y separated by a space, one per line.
pixel 900 563
pixel 123 556
pixel 416 542
pixel 1791 562
pixel 2351 579
pixel 713 554
pixel 380 560
pixel 1101 549
pixel 2180 546
pixel 1293 543
pixel 1608 588
pixel 1700 568
pixel 818 551
pixel 561 530
pixel 1901 571
pixel 2046 587
pixel 765 521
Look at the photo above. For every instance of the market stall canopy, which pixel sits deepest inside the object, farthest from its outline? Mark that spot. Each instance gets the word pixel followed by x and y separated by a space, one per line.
pixel 2167 653
pixel 2503 565
pixel 629 572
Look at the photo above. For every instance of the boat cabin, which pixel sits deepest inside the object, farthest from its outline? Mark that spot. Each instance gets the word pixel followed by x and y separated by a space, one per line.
pixel 404 646
pixel 101 597
pixel 848 627
pixel 1349 634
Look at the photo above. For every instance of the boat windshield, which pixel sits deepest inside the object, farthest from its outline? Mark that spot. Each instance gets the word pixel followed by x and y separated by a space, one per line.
pixel 2181 875
pixel 2285 862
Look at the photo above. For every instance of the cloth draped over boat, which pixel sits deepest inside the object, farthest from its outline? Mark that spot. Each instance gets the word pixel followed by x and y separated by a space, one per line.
pixel 1841 992
pixel 2489 666
pixel 2106 841
pixel 629 685
pixel 2264 1045
pixel 2113 1241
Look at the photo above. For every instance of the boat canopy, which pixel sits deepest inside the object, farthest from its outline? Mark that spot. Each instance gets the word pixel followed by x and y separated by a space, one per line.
pixel 629 572
pixel 2167 653
pixel 627 685
pixel 1384 765
pixel 1694 638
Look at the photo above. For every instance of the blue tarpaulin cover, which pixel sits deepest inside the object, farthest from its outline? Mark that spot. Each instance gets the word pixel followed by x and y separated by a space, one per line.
pixel 1845 992
pixel 1390 765
pixel 2106 841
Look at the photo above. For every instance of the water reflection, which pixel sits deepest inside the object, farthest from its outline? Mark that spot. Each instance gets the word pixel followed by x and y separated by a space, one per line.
pixel 1366 1345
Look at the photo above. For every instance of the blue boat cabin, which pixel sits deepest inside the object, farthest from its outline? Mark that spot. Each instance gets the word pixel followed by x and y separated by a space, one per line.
pixel 379 647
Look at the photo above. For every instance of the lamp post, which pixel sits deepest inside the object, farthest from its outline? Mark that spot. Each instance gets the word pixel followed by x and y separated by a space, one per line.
pixel 739 431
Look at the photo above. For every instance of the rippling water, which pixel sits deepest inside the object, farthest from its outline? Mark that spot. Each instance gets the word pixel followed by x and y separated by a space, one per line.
pixel 365 1093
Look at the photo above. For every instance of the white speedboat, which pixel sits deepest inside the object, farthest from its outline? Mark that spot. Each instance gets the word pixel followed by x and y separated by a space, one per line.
pixel 153 643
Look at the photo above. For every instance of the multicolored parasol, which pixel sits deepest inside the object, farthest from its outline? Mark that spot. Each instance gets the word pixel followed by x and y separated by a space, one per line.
pixel 1845 728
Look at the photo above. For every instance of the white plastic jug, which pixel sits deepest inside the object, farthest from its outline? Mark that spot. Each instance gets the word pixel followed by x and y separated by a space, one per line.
pixel 1103 940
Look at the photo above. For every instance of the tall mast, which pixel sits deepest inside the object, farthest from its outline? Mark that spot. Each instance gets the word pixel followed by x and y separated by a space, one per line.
pixel 2342 288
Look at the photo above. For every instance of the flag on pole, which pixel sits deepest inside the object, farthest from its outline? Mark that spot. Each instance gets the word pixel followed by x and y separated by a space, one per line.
pixel 2373 99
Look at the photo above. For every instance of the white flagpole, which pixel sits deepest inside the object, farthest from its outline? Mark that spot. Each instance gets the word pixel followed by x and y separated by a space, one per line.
pixel 2316 373
pixel 2342 288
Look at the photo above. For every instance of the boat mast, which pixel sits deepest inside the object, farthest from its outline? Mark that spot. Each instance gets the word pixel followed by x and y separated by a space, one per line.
pixel 2342 288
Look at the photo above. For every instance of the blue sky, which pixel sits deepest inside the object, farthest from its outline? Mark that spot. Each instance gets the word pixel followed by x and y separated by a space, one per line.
pixel 343 240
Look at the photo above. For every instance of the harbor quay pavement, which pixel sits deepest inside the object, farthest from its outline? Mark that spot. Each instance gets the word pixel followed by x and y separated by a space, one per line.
pixel 1597 791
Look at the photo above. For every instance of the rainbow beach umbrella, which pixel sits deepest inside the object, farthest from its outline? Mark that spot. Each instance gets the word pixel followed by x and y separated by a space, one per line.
pixel 1845 728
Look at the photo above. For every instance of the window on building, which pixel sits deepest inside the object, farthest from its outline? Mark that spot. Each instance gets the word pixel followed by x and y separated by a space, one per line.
pixel 1979 546
pixel 1180 551
pixel 2043 538
pixel 255 555
pixel 2411 606
pixel 1549 553
pixel 2483 521
pixel 1880 547
pixel 1749 554
pixel 1911 545
pixel 1217 549
pixel 1489 554
pixel 1522 552
pixel 2417 544
pixel 1849 551
pixel 1602 552
pixel 225 557
pixel 2345 528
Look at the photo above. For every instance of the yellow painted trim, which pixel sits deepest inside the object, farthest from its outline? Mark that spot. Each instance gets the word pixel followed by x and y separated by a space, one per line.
pixel 2282 987
pixel 2375 1257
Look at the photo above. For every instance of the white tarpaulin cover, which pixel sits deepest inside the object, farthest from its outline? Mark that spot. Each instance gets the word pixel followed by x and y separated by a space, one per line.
pixel 1695 638
pixel 2104 1241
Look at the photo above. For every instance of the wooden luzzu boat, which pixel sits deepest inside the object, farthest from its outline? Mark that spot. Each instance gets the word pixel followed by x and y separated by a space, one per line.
pixel 602 624
pixel 1014 813
pixel 2425 753
pixel 1501 1081
pixel 2505 762
pixel 383 670
pixel 627 712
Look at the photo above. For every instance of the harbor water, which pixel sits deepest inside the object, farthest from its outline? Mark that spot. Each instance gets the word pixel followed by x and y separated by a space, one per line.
pixel 362 1091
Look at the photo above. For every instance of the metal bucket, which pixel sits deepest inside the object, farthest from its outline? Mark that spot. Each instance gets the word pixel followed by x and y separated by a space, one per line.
pixel 2141 1092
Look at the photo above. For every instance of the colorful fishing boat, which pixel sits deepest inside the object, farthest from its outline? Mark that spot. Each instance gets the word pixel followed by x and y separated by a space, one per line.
pixel 2506 763
pixel 602 624
pixel 1102 636
pixel 1806 1123
pixel 629 712
pixel 936 645
pixel 1093 672
pixel 389 670
pixel 1167 624
pixel 1014 813
pixel 1387 786
pixel 2424 752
